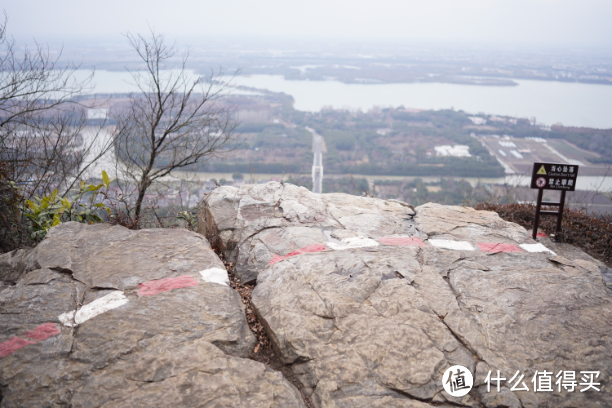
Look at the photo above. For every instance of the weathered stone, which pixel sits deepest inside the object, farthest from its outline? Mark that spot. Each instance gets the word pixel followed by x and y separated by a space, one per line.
pixel 149 328
pixel 113 257
pixel 194 375
pixel 253 224
pixel 370 301
pixel 13 264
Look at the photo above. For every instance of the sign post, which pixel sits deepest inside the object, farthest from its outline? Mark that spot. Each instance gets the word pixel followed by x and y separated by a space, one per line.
pixel 552 176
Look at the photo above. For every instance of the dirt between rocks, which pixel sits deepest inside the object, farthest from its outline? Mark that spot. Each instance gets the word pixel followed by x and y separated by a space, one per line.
pixel 263 352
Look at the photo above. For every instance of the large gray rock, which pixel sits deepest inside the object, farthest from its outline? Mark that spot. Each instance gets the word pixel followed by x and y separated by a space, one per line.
pixel 370 301
pixel 253 224
pixel 155 325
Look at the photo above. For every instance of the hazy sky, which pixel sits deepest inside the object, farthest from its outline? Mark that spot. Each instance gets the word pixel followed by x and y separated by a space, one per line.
pixel 582 23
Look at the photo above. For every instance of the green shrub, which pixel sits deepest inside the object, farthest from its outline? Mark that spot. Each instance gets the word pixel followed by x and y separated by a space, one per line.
pixel 189 219
pixel 48 211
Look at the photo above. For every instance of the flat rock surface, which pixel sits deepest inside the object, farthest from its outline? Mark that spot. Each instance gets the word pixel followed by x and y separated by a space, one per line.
pixel 104 316
pixel 370 301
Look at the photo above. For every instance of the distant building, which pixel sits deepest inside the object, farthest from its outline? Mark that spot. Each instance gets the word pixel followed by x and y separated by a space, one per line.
pixel 516 154
pixel 477 120
pixel 536 139
pixel 502 119
pixel 456 150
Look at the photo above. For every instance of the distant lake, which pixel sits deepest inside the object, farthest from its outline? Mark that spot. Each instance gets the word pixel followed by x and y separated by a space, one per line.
pixel 572 104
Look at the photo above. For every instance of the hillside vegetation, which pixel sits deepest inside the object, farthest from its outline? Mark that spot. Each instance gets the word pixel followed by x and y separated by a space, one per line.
pixel 386 142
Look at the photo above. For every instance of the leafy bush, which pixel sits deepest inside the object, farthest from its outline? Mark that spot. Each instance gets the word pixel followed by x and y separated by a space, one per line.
pixel 48 211
pixel 189 219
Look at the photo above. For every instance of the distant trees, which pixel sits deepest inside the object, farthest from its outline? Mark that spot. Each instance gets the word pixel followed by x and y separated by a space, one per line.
pixel 173 121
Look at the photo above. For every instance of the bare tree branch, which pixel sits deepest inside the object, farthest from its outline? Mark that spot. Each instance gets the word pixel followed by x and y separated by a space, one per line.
pixel 43 119
pixel 174 121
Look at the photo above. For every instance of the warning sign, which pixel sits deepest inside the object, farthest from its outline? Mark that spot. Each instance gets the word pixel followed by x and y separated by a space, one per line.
pixel 554 176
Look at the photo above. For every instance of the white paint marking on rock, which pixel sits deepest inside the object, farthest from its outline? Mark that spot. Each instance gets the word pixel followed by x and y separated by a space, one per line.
pixel 109 302
pixel 448 244
pixel 215 275
pixel 536 248
pixel 350 243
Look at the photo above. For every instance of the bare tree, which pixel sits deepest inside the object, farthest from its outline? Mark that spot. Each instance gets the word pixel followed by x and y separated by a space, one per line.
pixel 174 121
pixel 32 82
pixel 46 141
pixel 42 119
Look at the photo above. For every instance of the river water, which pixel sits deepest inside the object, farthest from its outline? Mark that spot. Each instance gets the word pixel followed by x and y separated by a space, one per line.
pixel 572 104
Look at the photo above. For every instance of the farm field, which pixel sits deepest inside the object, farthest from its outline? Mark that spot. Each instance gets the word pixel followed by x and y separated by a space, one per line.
pixel 517 155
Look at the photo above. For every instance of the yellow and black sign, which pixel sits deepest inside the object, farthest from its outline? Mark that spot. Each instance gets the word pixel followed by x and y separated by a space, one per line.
pixel 554 176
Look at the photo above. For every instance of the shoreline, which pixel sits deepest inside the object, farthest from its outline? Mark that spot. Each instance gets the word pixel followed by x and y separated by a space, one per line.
pixel 588 183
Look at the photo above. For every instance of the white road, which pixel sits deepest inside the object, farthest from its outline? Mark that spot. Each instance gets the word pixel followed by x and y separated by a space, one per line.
pixel 317 165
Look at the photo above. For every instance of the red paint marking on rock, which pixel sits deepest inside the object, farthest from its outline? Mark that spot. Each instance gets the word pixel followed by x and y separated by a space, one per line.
pixel 165 285
pixel 492 247
pixel 541 234
pixel 13 344
pixel 43 332
pixel 403 241
pixel 306 249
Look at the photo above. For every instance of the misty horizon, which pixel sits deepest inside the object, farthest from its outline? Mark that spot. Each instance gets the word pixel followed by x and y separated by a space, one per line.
pixel 528 25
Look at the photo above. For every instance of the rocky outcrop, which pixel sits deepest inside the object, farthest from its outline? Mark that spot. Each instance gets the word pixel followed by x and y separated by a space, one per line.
pixel 104 316
pixel 256 225
pixel 370 301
